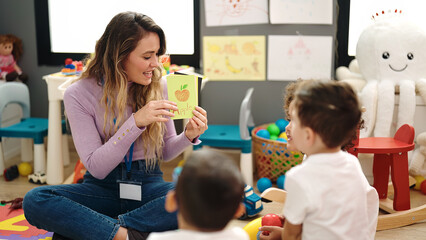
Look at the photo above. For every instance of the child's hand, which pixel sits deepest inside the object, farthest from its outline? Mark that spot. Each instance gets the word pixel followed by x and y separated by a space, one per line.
pixel 274 233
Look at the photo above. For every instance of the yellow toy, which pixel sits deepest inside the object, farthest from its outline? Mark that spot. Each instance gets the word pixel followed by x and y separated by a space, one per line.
pixel 419 180
pixel 25 169
pixel 283 135
pixel 252 228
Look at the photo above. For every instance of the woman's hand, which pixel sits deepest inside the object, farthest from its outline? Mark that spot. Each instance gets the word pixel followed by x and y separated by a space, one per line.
pixel 197 125
pixel 154 111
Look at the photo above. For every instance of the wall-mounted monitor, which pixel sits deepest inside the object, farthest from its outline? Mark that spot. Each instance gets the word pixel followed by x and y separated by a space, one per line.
pixel 71 28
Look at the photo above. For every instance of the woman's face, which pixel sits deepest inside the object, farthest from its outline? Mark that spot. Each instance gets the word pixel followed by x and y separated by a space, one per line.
pixel 142 61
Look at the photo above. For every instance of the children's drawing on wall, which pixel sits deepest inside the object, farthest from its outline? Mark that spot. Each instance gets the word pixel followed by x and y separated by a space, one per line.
pixel 235 12
pixel 293 57
pixel 234 58
pixel 301 11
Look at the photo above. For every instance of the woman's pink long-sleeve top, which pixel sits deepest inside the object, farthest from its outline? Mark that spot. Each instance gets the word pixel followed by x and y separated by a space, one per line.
pixel 85 113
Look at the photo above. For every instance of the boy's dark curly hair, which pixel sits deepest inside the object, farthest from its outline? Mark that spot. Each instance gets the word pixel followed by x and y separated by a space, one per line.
pixel 289 97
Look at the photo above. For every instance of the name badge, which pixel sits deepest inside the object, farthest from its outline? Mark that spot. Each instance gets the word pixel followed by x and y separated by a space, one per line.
pixel 130 190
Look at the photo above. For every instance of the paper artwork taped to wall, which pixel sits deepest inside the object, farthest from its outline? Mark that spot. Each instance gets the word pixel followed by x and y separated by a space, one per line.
pixel 234 58
pixel 293 57
pixel 301 11
pixel 235 12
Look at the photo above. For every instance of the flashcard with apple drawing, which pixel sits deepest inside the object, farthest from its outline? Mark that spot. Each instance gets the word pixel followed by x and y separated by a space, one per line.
pixel 183 90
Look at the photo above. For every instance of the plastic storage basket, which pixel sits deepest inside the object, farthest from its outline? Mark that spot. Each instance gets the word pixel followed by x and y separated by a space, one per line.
pixel 272 158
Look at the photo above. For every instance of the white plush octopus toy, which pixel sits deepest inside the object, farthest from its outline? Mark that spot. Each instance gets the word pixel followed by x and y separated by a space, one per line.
pixel 390 53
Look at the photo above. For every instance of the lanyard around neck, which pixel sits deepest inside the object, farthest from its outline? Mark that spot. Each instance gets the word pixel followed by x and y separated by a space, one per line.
pixel 128 161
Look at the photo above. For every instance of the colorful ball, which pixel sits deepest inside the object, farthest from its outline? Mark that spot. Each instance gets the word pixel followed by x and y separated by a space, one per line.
pixel 419 180
pixel 257 130
pixel 273 129
pixel 281 181
pixel 263 133
pixel 281 123
pixel 272 219
pixel 263 184
pixel 25 169
pixel 273 137
pixel 423 187
pixel 283 135
pixel 282 140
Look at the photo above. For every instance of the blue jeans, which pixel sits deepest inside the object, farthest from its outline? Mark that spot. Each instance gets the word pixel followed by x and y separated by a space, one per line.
pixel 94 210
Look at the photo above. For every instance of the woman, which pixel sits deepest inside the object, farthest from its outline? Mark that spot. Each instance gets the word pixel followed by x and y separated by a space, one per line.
pixel 121 127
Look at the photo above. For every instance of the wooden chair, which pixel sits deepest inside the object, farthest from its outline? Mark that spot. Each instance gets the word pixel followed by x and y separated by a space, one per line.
pixel 392 154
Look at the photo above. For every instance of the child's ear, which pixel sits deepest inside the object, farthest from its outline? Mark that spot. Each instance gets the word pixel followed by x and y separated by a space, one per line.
pixel 171 203
pixel 309 136
pixel 240 210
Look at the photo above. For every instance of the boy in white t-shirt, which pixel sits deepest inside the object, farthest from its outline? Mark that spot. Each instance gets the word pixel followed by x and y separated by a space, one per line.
pixel 328 196
pixel 208 195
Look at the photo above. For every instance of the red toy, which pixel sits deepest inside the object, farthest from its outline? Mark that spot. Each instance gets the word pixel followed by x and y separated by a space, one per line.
pixel 272 220
pixel 79 172
pixel 11 173
pixel 423 187
pixel 72 67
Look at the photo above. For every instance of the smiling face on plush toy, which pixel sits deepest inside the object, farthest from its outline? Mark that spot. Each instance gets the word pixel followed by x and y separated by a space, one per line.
pixel 392 49
pixel 6 48
pixel 391 53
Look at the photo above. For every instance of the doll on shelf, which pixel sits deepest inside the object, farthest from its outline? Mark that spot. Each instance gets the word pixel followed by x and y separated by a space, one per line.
pixel 10 52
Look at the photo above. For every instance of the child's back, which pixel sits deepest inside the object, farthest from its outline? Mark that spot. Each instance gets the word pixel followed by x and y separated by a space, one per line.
pixel 208 195
pixel 328 193
pixel 182 234
pixel 336 202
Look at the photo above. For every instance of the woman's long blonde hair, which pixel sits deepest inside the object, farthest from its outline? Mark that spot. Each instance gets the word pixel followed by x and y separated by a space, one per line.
pixel 120 38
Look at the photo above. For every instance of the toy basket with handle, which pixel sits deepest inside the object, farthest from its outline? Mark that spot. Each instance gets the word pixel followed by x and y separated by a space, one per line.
pixel 272 158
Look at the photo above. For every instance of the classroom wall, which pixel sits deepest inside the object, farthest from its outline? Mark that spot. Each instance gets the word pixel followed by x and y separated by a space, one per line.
pixel 220 98
pixel 17 18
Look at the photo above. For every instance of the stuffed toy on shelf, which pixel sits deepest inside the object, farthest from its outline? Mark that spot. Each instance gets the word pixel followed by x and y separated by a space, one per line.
pixel 417 165
pixel 10 52
pixel 351 75
pixel 390 58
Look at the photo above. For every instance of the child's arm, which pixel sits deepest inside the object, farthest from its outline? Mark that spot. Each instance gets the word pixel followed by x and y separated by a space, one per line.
pixel 291 231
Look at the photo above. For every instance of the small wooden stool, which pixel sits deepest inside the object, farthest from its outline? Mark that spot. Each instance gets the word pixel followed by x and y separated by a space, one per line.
pixel 390 153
